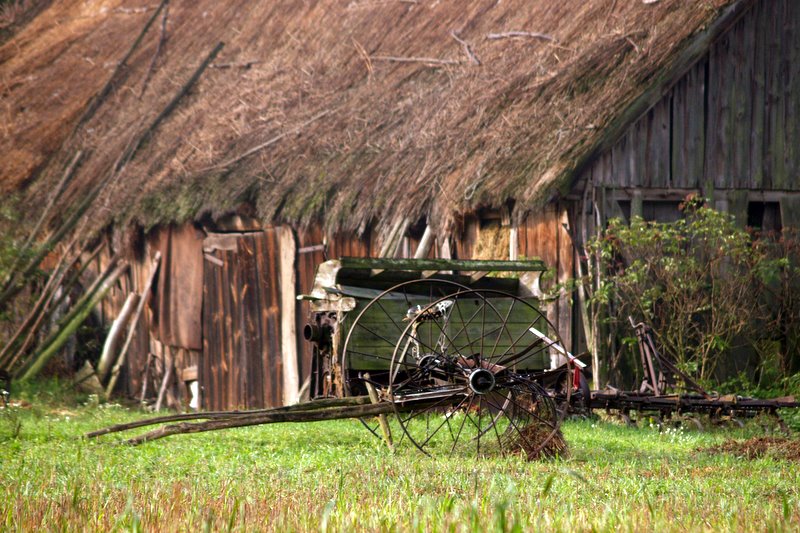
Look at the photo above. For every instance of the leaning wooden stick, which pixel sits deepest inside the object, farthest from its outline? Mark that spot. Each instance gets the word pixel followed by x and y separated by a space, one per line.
pixel 132 325
pixel 323 403
pixel 335 413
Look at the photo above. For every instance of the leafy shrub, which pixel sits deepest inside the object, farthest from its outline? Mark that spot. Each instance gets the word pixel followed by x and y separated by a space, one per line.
pixel 704 284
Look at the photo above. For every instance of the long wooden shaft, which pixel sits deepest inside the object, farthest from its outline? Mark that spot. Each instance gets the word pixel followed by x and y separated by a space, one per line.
pixel 335 413
pixel 211 415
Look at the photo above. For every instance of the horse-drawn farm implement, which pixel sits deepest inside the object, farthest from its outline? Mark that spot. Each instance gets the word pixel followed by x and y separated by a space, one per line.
pixel 452 357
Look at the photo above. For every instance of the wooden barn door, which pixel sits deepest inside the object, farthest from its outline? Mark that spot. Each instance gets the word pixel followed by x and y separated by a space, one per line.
pixel 242 364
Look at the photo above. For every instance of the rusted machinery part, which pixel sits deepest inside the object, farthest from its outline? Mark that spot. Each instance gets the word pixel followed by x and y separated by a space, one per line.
pixel 479 397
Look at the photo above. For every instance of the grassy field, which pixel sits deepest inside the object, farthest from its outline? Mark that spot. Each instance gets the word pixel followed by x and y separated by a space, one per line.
pixel 334 476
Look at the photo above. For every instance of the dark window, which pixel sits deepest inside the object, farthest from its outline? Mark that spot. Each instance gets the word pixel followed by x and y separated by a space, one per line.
pixel 661 211
pixel 764 216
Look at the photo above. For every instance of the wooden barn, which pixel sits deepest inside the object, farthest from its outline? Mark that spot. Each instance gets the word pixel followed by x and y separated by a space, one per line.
pixel 248 142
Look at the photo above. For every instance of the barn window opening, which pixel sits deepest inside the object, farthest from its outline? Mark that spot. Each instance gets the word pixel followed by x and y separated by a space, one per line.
pixel 661 210
pixel 764 216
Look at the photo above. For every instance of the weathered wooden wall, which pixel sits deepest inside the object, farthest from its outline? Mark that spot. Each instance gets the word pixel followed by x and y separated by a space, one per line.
pixel 732 122
pixel 545 235
pixel 241 365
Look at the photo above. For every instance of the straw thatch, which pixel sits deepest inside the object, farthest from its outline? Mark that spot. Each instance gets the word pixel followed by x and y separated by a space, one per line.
pixel 325 110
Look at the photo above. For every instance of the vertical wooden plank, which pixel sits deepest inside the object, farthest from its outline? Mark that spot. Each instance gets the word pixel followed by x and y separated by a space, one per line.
pixel 758 93
pixel 792 94
pixel 565 272
pixel 656 130
pixel 680 132
pixel 742 59
pixel 621 162
pixel 288 291
pixel 251 325
pixel 696 134
pixel 273 320
pixel 716 138
pixel 688 129
pixel 775 97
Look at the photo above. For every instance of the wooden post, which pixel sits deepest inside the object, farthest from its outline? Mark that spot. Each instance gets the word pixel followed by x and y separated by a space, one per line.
pixel 288 287
pixel 384 423
pixel 424 243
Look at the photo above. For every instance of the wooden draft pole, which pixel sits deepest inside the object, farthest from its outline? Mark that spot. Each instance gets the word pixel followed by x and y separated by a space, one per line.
pixel 308 415
pixel 132 325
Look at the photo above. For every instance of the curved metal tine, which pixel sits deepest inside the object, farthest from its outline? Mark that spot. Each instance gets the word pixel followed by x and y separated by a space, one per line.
pixel 429 435
pixel 519 430
pixel 551 423
pixel 461 428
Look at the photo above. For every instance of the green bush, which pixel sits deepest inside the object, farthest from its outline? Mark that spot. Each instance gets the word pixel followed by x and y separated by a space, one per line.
pixel 705 285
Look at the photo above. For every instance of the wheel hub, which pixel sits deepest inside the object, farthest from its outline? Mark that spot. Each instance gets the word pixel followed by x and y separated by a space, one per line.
pixel 481 381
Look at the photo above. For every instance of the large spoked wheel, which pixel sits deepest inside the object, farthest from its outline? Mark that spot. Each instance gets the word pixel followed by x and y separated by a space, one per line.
pixel 462 378
pixel 372 336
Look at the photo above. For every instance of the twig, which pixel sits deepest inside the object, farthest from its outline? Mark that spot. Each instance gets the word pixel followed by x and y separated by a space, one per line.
pixel 365 56
pixel 513 34
pixel 244 65
pixel 467 48
pixel 161 40
pixel 272 141
pixel 427 60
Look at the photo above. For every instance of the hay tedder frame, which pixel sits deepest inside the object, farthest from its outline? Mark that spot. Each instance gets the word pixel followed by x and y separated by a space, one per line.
pixel 456 358
pixel 458 349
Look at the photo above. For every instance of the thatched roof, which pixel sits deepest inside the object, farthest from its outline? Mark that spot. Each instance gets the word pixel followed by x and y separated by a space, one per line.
pixel 336 130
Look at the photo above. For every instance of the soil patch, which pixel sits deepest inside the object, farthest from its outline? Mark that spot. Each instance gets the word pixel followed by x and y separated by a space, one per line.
pixel 777 447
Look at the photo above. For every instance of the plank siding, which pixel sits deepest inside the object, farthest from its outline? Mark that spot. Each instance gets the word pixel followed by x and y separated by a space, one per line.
pixel 731 122
pixel 241 366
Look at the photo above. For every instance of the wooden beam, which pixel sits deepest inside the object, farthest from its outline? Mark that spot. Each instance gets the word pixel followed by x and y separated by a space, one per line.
pixel 361 263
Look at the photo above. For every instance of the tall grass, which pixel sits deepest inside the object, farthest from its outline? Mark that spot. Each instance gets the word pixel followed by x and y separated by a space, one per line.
pixel 334 476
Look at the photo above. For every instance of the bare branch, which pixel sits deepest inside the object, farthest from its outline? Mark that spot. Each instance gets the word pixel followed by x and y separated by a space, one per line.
pixel 428 60
pixel 514 34
pixel 467 48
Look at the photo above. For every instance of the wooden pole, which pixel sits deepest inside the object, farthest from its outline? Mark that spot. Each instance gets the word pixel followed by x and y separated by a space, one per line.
pixel 132 325
pixel 323 403
pixel 424 243
pixel 288 293
pixel 112 340
pixel 169 363
pixel 82 310
pixel 384 423
pixel 334 413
